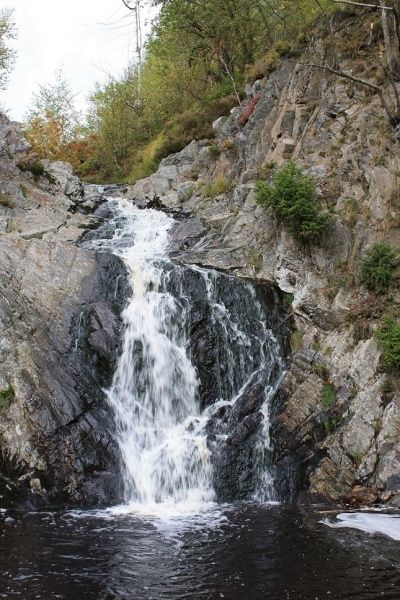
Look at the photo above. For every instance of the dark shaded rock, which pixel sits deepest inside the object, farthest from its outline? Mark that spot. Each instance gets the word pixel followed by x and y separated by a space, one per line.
pixel 361 496
pixel 185 234
pixel 155 203
pixel 59 339
pixel 233 440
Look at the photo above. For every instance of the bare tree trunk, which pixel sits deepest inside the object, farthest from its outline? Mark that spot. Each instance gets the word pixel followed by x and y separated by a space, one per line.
pixel 231 78
pixel 390 54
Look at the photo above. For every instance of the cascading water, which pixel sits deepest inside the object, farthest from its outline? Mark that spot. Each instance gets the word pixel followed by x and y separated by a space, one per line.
pixel 156 391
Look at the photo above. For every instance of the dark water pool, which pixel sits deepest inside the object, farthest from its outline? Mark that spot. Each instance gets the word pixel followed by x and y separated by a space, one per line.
pixel 246 552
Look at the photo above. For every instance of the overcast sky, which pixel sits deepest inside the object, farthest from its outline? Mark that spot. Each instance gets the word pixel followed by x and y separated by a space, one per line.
pixel 88 39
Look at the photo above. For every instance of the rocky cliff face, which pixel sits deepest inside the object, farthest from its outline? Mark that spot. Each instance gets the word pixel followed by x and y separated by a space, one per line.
pixel 344 444
pixel 58 326
pixel 336 420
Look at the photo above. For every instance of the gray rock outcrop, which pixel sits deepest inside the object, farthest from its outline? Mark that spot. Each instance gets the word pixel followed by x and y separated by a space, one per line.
pixel 59 332
pixel 336 417
pixel 335 426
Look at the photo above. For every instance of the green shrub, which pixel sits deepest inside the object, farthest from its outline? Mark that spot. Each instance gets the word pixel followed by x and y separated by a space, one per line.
pixel 142 169
pixel 288 298
pixel 377 268
pixel 388 337
pixel 214 151
pixel 221 185
pixel 296 341
pixel 193 124
pixel 322 371
pixel 292 197
pixel 6 398
pixel 331 424
pixel 328 396
pixel 34 166
pixel 263 66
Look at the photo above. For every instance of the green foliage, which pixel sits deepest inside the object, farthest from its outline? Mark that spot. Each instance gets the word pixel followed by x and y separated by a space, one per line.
pixel 114 117
pixel 33 166
pixel 192 73
pixel 6 398
pixel 353 392
pixel 194 64
pixel 296 341
pixel 214 151
pixel 142 169
pixel 7 55
pixel 221 185
pixel 388 337
pixel 357 458
pixel 377 268
pixel 331 424
pixel 193 124
pixel 51 121
pixel 322 371
pixel 292 197
pixel 328 395
pixel 263 66
pixel 288 298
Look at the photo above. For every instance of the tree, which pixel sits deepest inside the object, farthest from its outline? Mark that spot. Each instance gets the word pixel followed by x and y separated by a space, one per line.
pixel 114 118
pixel 52 120
pixel 293 199
pixel 7 55
pixel 390 18
pixel 191 73
pixel 378 267
pixel 389 98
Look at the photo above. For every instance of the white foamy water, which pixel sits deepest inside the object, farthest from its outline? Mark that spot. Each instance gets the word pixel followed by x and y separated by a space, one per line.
pixel 368 522
pixel 154 388
pixel 154 393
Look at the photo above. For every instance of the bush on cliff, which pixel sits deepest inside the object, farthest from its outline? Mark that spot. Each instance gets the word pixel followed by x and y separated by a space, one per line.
pixel 377 268
pixel 7 396
pixel 193 124
pixel 293 199
pixel 388 338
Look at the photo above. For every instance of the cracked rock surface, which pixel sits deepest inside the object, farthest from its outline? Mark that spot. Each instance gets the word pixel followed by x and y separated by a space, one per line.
pixel 59 331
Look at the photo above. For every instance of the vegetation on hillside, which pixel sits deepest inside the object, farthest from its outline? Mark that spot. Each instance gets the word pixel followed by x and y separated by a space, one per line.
pixel 198 59
pixel 194 71
pixel 388 337
pixel 378 266
pixel 51 123
pixel 7 55
pixel 293 199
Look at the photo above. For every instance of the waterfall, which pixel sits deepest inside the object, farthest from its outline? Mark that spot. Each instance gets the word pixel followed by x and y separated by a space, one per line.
pixel 156 392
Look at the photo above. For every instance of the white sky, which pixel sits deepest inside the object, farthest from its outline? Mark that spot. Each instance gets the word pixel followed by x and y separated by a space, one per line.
pixel 88 39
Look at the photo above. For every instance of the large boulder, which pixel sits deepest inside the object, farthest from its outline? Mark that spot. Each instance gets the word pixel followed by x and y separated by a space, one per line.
pixel 62 175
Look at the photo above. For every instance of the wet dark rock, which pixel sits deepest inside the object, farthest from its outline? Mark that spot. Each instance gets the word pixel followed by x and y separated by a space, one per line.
pixel 361 496
pixel 185 234
pixel 59 339
pixel 233 435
